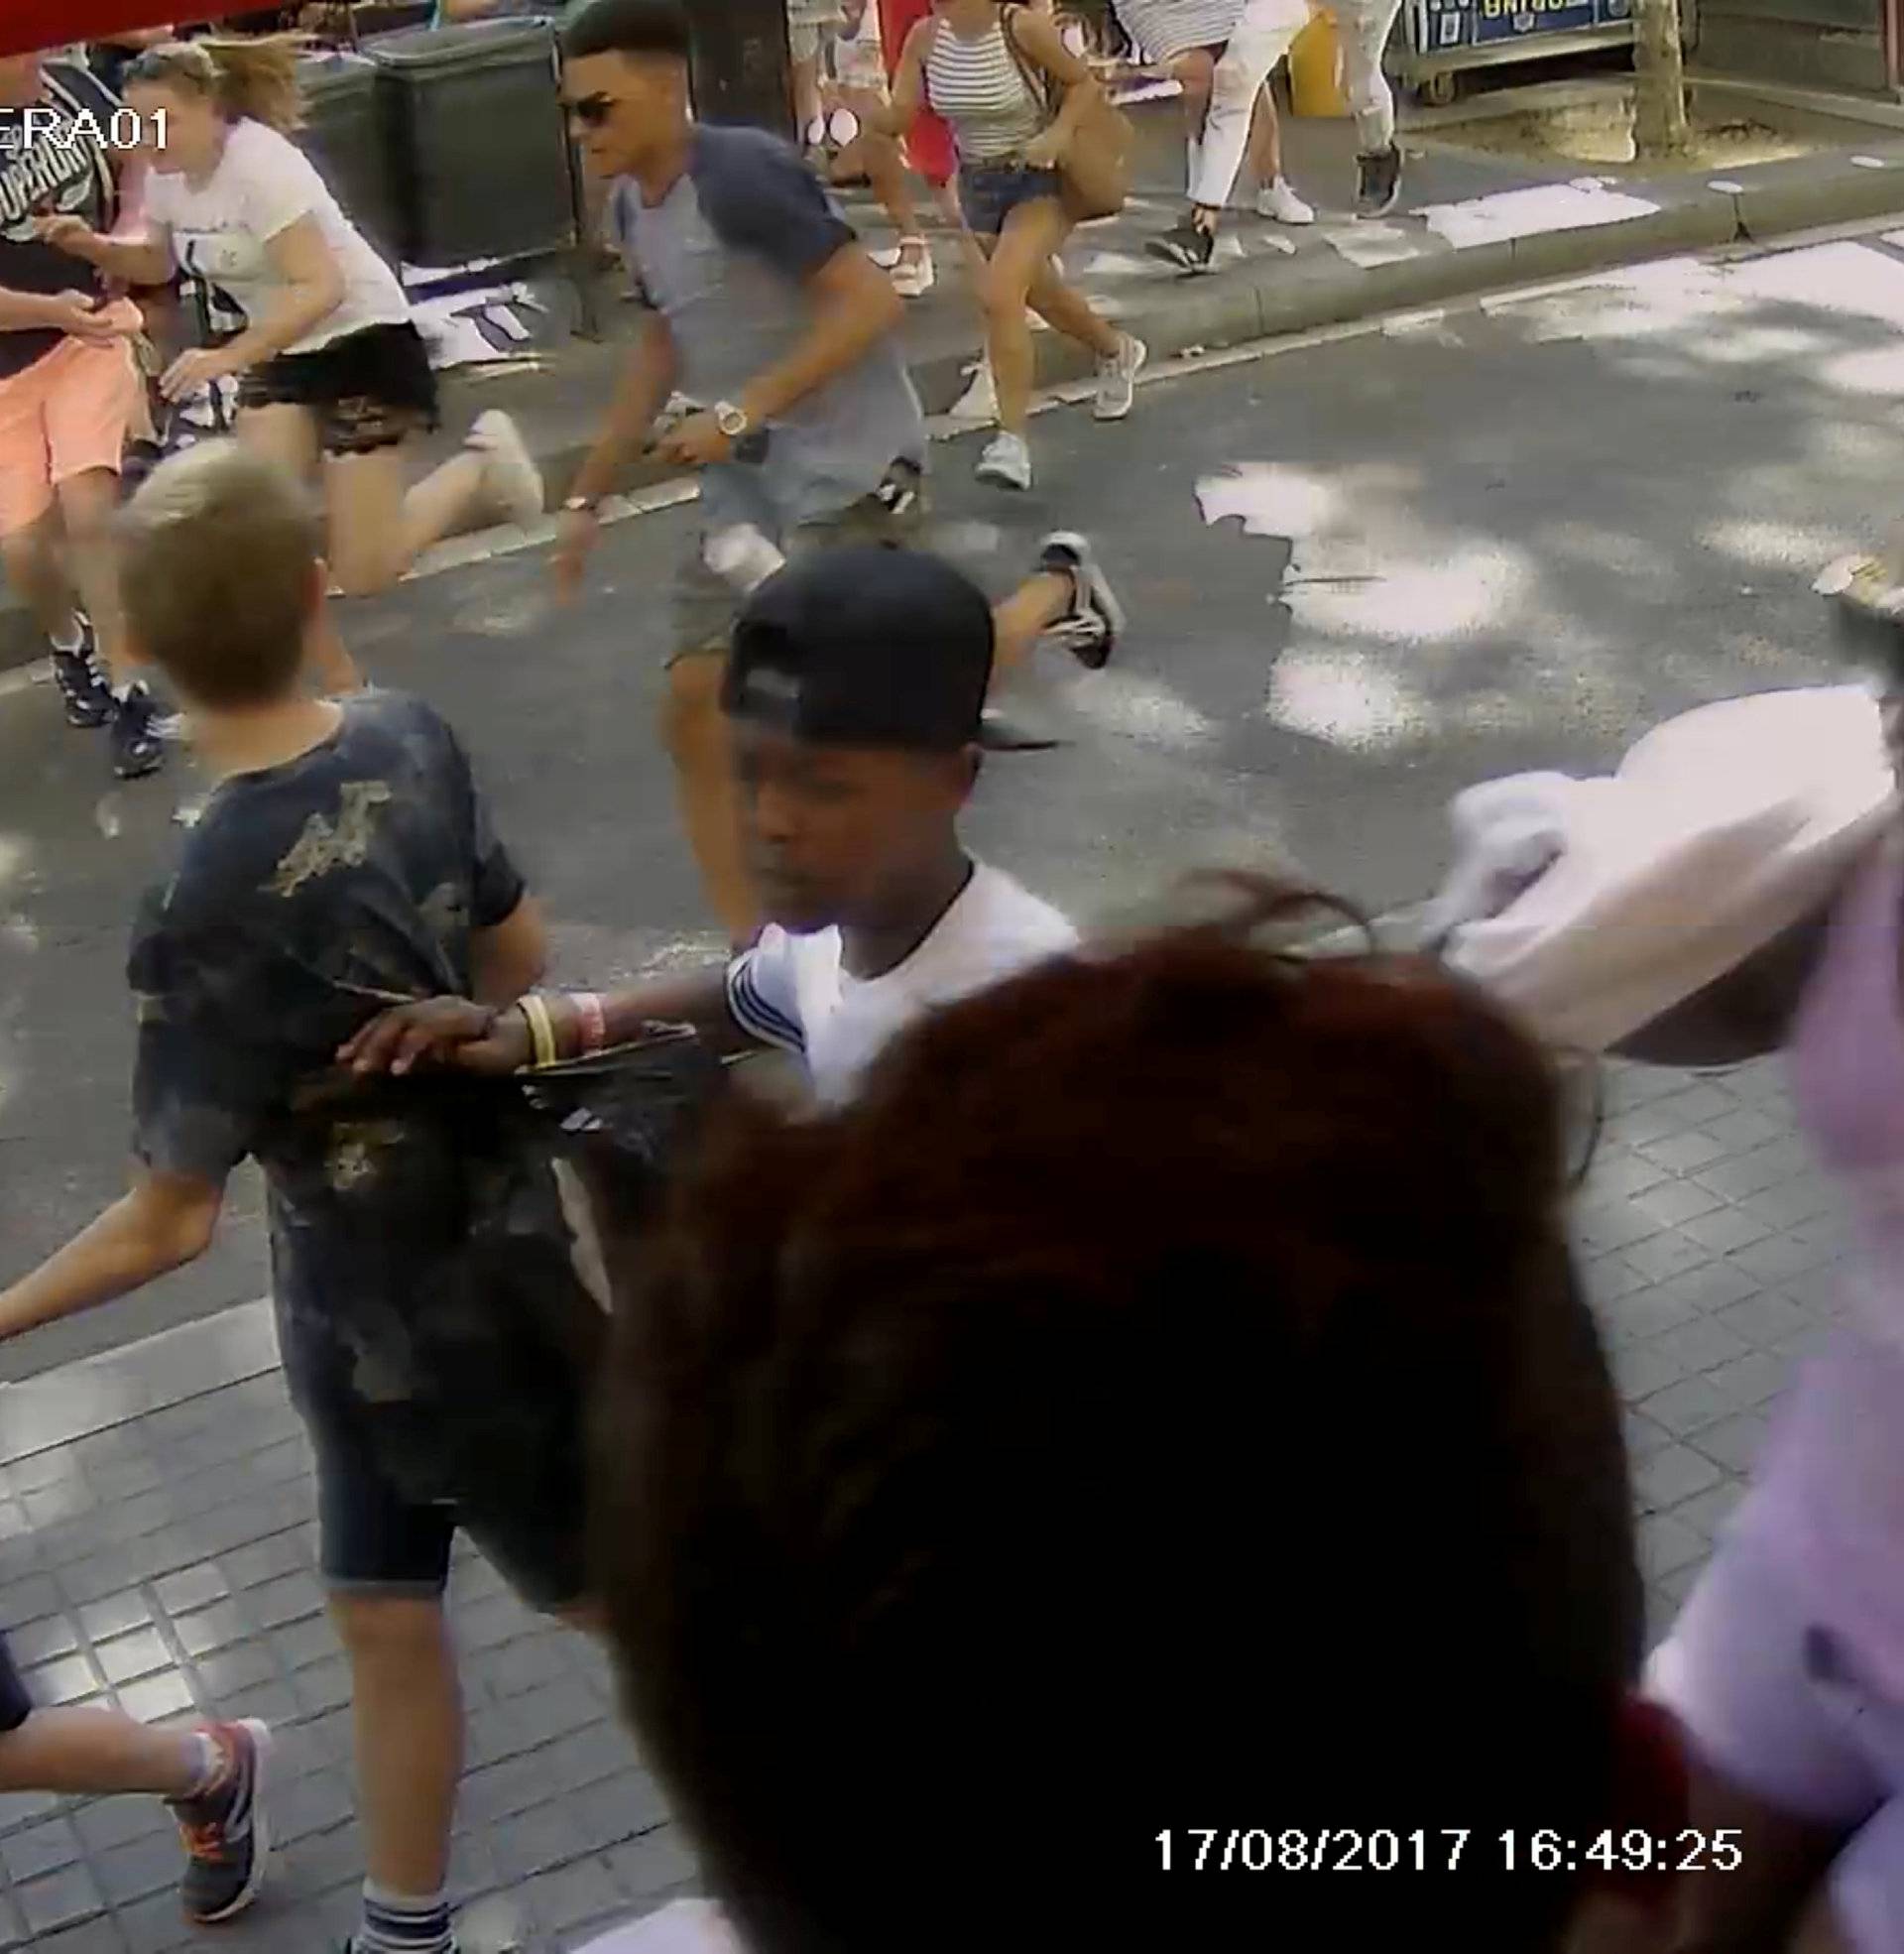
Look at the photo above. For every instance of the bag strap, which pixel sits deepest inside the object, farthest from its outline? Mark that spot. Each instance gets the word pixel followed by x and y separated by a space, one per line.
pixel 1038 83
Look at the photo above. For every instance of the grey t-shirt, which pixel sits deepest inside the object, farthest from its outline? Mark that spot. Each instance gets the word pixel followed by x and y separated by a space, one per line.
pixel 725 258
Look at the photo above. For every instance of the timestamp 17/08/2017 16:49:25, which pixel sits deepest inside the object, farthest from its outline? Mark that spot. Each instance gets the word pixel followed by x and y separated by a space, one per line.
pixel 1451 1848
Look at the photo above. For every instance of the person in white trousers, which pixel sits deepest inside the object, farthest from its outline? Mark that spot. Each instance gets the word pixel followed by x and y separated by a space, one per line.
pixel 1263 36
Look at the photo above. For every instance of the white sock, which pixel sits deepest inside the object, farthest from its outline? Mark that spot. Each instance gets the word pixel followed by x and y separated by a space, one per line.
pixel 71 637
pixel 211 1765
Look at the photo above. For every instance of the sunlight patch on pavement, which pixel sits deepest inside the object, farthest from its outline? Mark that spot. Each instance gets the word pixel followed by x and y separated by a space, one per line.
pixel 1464 591
pixel 1876 370
pixel 1346 698
pixel 1367 246
pixel 1269 499
pixel 1847 278
pixel 1142 709
pixel 1777 546
pixel 1532 212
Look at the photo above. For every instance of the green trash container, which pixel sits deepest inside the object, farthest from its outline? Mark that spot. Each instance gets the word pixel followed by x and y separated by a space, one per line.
pixel 473 118
pixel 343 135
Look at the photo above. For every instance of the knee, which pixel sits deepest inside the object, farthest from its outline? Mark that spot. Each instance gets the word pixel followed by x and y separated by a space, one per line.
pixel 1232 85
pixel 391 1631
pixel 86 506
pixel 1196 71
pixel 26 556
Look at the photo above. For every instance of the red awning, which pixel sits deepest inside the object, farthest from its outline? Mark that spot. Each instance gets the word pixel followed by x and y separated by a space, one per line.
pixel 29 24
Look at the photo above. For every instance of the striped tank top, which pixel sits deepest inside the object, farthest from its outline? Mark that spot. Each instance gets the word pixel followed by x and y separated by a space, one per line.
pixel 979 89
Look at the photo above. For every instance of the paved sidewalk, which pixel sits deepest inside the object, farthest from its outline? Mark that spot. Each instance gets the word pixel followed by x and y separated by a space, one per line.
pixel 156 1544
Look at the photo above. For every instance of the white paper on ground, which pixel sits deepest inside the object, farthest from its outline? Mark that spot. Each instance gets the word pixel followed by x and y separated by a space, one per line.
pixel 1368 245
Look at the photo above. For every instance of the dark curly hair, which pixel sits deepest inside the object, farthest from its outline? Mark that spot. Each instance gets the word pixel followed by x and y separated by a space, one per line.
pixel 1160 1402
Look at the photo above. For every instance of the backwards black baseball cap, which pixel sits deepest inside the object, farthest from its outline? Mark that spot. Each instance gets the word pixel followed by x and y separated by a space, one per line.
pixel 865 646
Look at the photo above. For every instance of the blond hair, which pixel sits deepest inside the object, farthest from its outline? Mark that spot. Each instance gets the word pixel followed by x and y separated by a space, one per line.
pixel 255 79
pixel 216 568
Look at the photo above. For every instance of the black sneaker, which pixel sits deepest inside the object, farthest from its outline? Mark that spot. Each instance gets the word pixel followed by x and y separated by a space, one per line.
pixel 138 747
pixel 88 699
pixel 1090 630
pixel 226 1832
pixel 1377 182
pixel 1186 245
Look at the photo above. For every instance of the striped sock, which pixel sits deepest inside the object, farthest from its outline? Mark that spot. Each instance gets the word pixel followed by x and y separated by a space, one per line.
pixel 401 1923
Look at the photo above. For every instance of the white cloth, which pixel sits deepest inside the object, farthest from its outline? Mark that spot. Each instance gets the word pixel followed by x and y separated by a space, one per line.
pixel 689 1926
pixel 1257 43
pixel 1364 26
pixel 263 184
pixel 1722 828
pixel 1164 28
pixel 791 991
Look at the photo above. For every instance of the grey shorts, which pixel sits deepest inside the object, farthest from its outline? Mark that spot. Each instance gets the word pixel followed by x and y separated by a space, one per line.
pixel 707 607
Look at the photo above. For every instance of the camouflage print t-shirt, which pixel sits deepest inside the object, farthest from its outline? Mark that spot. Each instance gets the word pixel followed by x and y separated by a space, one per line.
pixel 427 1301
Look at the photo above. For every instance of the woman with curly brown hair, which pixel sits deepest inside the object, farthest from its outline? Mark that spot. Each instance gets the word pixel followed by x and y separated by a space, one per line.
pixel 1159 1400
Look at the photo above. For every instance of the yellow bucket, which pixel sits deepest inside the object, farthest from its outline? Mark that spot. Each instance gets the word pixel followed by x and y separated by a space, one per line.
pixel 1315 69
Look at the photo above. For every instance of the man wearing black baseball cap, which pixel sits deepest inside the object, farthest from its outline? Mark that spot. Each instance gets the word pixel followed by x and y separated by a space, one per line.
pixel 854 694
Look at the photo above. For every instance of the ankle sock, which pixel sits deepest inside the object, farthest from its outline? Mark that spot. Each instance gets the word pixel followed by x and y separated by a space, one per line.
pixel 404 1924
pixel 212 1760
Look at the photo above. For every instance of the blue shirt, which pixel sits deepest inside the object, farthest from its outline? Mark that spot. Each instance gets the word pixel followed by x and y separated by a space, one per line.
pixel 726 258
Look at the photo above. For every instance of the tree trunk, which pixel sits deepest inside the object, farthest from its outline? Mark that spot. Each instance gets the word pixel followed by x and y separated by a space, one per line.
pixel 1659 81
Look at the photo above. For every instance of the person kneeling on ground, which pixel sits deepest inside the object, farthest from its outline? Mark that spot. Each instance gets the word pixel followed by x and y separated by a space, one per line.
pixel 435 1336
pixel 854 766
pixel 1159 1400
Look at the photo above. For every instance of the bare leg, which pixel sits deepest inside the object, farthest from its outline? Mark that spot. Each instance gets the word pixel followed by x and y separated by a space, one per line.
pixel 407 1715
pixel 34 568
pixel 1021 255
pixel 1265 137
pixel 1195 72
pixel 1066 310
pixel 98 1754
pixel 378 528
pixel 86 506
pixel 1025 616
pixel 696 738
pixel 806 94
pixel 288 437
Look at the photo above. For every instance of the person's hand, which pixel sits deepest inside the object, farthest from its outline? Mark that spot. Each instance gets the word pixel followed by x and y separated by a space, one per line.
pixel 1046 151
pixel 440 1032
pixel 575 537
pixel 696 443
pixel 81 315
pixel 194 370
pixel 71 235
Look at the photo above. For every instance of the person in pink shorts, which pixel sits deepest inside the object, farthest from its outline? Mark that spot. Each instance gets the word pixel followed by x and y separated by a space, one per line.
pixel 70 391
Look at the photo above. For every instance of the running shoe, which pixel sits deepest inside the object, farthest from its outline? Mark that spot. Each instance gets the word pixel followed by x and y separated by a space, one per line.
pixel 1188 246
pixel 1118 380
pixel 138 743
pixel 226 1832
pixel 88 698
pixel 978 406
pixel 915 274
pixel 1005 462
pixel 1377 182
pixel 1090 630
pixel 511 477
pixel 1280 202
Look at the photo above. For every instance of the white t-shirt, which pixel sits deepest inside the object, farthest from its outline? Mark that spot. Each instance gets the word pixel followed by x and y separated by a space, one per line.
pixel 791 991
pixel 263 184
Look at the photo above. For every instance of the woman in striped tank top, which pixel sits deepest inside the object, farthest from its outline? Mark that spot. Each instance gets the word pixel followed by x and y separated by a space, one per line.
pixel 985 68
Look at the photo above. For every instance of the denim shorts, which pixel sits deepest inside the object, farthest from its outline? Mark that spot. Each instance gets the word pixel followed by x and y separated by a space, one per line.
pixel 989 193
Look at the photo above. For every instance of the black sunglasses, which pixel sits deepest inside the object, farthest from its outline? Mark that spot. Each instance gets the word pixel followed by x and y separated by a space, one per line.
pixel 591 111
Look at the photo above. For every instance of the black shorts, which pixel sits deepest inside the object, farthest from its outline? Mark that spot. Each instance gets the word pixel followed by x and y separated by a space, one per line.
pixel 374 1538
pixel 368 390
pixel 16 1706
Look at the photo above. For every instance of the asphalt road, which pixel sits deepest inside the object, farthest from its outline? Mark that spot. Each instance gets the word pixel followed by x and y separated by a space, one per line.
pixel 1457 548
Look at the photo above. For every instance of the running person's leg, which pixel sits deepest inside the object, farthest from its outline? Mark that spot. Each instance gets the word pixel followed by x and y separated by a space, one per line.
pixel 1365 25
pixel 289 435
pixel 1262 38
pixel 1120 357
pixel 1277 197
pixel 212 1777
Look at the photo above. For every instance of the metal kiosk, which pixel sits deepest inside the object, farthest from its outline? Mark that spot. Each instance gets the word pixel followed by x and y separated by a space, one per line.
pixel 1443 39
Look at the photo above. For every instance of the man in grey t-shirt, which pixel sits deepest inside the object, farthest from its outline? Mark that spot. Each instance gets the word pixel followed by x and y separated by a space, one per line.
pixel 762 310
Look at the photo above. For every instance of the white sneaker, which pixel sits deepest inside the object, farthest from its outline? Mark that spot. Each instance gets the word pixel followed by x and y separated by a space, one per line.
pixel 1281 206
pixel 1005 462
pixel 915 274
pixel 1118 380
pixel 510 479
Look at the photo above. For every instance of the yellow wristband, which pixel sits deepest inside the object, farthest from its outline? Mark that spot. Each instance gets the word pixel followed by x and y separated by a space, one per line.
pixel 542 1028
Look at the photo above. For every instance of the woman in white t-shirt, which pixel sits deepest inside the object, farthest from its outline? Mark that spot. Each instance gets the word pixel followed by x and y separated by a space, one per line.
pixel 331 366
